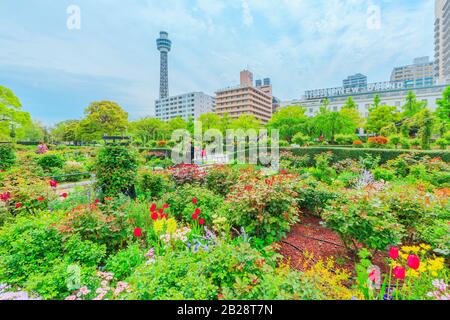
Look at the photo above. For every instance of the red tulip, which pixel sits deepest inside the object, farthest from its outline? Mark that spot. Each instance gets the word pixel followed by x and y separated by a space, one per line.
pixel 53 183
pixel 393 253
pixel 161 211
pixel 399 273
pixel 194 216
pixel 18 205
pixel 201 221
pixel 197 211
pixel 138 232
pixel 165 206
pixel 195 201
pixel 64 195
pixel 97 201
pixel 153 208
pixel 413 262
pixel 154 216
pixel 40 199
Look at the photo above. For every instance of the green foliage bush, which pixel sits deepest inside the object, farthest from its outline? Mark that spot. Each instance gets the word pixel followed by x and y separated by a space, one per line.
pixel 49 161
pixel 265 208
pixel 385 154
pixel 180 202
pixel 154 185
pixel 125 261
pixel 220 179
pixel 300 139
pixel 231 271
pixel 383 174
pixel 313 195
pixel 345 139
pixel 7 156
pixel 116 170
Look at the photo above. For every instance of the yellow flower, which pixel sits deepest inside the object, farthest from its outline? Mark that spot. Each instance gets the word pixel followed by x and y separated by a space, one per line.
pixel 425 246
pixel 412 273
pixel 436 264
pixel 171 226
pixel 158 226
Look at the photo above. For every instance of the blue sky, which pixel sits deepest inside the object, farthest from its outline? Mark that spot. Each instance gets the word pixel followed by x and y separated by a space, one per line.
pixel 299 44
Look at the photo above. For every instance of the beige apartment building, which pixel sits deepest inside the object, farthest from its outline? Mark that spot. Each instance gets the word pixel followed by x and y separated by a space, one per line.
pixel 245 99
pixel 442 41
pixel 419 74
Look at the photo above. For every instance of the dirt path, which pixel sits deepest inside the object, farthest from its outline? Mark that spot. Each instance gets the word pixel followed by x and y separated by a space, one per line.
pixel 309 236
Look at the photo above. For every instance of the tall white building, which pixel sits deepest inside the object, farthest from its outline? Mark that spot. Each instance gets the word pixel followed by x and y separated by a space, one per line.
pixel 442 41
pixel 188 105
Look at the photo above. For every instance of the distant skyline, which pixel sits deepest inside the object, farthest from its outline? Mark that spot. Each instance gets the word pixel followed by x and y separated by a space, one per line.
pixel 299 44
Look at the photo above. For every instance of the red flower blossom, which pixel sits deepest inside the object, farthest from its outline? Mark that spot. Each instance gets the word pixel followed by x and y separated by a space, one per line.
pixel 154 216
pixel 283 171
pixel 161 211
pixel 195 201
pixel 393 253
pixel 137 232
pixel 201 221
pixel 413 262
pixel 248 188
pixel 165 206
pixel 97 201
pixel 18 205
pixel 255 281
pixel 195 216
pixel 153 208
pixel 219 296
pixel 5 196
pixel 64 195
pixel 399 273
pixel 53 183
pixel 40 199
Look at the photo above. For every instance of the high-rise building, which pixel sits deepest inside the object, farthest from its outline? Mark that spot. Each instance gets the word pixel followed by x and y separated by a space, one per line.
pixel 188 105
pixel 418 74
pixel 355 81
pixel 164 45
pixel 442 41
pixel 245 99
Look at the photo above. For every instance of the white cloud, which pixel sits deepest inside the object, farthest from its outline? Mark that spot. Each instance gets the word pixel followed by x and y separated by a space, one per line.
pixel 247 17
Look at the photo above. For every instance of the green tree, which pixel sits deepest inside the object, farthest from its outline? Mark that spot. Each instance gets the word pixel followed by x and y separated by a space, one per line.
pixel 424 120
pixel 289 121
pixel 443 111
pixel 65 131
pixel 382 117
pixel 210 121
pixel 12 118
pixel 376 102
pixel 246 122
pixel 329 123
pixel 350 104
pixel 102 118
pixel 412 106
pixel 35 131
pixel 148 129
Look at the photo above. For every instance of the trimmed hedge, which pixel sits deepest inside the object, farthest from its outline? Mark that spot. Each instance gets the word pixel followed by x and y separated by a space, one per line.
pixel 355 153
pixel 7 156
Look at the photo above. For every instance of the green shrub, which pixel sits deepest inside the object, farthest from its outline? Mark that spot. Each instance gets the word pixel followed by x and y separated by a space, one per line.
pixel 300 139
pixel 84 252
pixel 116 170
pixel 154 185
pixel 383 174
pixel 124 262
pixel 313 196
pixel 345 139
pixel 442 143
pixel 231 271
pixel 49 161
pixel 349 179
pixel 220 179
pixel 352 153
pixel 362 218
pixel 180 202
pixel 7 156
pixel 28 245
pixel 265 208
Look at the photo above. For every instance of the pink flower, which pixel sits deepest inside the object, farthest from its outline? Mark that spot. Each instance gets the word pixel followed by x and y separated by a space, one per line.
pixel 53 183
pixel 399 273
pixel 413 262
pixel 393 253
pixel 5 196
